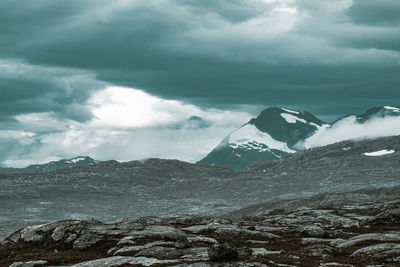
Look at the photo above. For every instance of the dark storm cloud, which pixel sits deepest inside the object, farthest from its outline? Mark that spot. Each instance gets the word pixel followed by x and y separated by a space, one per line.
pixel 321 56
pixel 29 88
pixel 231 10
pixel 376 12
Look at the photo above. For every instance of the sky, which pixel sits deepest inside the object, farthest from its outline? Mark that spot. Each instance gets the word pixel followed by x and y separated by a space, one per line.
pixel 131 79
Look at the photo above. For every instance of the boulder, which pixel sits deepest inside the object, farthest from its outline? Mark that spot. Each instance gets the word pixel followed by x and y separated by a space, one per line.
pixel 222 252
pixel 312 231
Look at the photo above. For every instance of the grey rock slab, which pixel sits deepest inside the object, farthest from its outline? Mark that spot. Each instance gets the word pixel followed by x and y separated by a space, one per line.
pixel 257 242
pixel 134 249
pixel 250 234
pixel 119 260
pixel 195 229
pixel 264 252
pixel 383 237
pixel 200 255
pixel 30 234
pixel 86 241
pixel 159 231
pixel 315 240
pixel 379 250
pixel 169 252
pixel 29 264
pixel 203 239
pixel 222 264
pixel 334 264
pixel 127 240
pixel 123 243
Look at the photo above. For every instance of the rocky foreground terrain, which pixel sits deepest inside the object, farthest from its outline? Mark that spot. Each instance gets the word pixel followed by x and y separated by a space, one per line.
pixel 313 231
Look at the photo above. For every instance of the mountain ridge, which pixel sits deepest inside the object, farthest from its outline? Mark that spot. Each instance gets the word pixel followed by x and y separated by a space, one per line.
pixel 77 161
pixel 277 133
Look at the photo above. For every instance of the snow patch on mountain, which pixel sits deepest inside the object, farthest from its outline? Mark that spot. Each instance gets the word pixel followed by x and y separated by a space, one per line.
pixel 379 153
pixel 250 136
pixel 290 111
pixel 75 160
pixel 291 118
pixel 392 108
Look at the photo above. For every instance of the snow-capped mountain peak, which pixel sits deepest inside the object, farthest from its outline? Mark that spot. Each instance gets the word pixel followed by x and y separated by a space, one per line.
pixel 271 135
pixel 248 136
pixel 288 126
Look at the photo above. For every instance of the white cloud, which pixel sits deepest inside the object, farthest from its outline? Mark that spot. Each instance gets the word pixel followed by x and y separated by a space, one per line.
pixel 129 124
pixel 349 128
pixel 127 107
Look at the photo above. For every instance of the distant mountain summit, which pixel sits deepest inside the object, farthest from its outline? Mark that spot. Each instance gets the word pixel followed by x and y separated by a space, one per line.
pixel 375 112
pixel 288 126
pixel 270 135
pixel 53 165
pixel 63 164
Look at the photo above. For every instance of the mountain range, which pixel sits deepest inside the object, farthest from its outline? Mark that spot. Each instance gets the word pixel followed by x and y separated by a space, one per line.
pixel 277 133
pixel 53 165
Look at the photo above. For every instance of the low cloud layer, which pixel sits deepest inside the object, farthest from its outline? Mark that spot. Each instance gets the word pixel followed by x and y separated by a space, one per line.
pixel 127 124
pixel 349 128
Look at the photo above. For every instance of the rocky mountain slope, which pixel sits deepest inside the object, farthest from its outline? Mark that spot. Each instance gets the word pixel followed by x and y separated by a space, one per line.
pixel 53 165
pixel 270 135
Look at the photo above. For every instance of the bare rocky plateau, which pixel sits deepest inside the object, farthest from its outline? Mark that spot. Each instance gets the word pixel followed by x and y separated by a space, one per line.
pixel 350 235
pixel 328 206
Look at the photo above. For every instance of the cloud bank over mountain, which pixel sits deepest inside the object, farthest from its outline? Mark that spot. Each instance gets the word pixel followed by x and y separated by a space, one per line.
pixel 350 128
pixel 127 124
